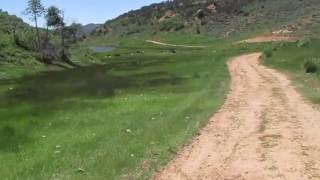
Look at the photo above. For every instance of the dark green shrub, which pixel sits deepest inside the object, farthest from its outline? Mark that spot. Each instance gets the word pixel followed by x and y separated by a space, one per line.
pixel 173 24
pixel 196 75
pixel 2 45
pixel 25 40
pixel 303 42
pixel 246 14
pixel 268 53
pixel 312 65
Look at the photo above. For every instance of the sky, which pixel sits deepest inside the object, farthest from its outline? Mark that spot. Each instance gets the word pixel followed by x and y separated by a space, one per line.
pixel 80 11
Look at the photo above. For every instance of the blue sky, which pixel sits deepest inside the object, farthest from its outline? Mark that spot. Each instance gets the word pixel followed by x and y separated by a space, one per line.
pixel 81 11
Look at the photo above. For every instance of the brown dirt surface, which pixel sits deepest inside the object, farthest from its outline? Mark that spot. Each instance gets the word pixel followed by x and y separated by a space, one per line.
pixel 172 45
pixel 265 130
pixel 270 38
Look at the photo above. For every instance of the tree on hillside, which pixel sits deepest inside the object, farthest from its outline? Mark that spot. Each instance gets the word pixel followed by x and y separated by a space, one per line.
pixel 14 26
pixel 55 19
pixel 35 9
pixel 10 25
pixel 73 30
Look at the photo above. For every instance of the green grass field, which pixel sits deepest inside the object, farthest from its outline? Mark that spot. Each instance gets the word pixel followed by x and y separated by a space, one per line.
pixel 123 118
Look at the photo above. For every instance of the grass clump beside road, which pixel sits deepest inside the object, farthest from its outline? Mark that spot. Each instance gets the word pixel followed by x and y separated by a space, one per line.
pixel 123 118
pixel 301 60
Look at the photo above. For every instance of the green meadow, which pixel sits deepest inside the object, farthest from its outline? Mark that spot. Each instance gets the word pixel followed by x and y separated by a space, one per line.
pixel 122 115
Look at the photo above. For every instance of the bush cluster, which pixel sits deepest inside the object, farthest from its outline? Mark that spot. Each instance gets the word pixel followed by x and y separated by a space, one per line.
pixel 312 65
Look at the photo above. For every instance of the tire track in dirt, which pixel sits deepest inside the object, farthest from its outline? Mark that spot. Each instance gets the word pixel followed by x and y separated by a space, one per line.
pixel 265 130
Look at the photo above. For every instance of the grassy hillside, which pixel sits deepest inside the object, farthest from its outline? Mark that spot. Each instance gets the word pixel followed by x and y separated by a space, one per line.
pixel 218 17
pixel 16 56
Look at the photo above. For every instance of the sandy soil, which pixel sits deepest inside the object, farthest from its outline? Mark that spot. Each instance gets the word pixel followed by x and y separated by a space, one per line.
pixel 265 130
pixel 270 38
pixel 173 45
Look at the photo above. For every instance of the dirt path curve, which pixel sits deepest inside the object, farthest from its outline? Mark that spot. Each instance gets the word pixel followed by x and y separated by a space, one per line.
pixel 270 38
pixel 173 45
pixel 265 130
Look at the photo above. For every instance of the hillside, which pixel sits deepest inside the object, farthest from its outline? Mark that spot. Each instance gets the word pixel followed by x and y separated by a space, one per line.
pixel 16 55
pixel 18 46
pixel 89 28
pixel 14 34
pixel 217 17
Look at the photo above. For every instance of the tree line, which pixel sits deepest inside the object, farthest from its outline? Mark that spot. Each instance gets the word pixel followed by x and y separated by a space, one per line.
pixel 55 22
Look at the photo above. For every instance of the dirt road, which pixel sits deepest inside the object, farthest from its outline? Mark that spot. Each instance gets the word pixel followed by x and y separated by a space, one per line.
pixel 173 45
pixel 270 38
pixel 265 130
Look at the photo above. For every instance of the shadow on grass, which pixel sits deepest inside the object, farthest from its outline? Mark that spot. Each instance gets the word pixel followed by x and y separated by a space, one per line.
pixel 94 81
pixel 12 137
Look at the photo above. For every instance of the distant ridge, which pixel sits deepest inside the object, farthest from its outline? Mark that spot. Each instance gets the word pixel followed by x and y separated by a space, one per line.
pixel 216 17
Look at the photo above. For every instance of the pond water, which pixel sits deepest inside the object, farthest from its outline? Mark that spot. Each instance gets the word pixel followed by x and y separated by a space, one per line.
pixel 99 49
